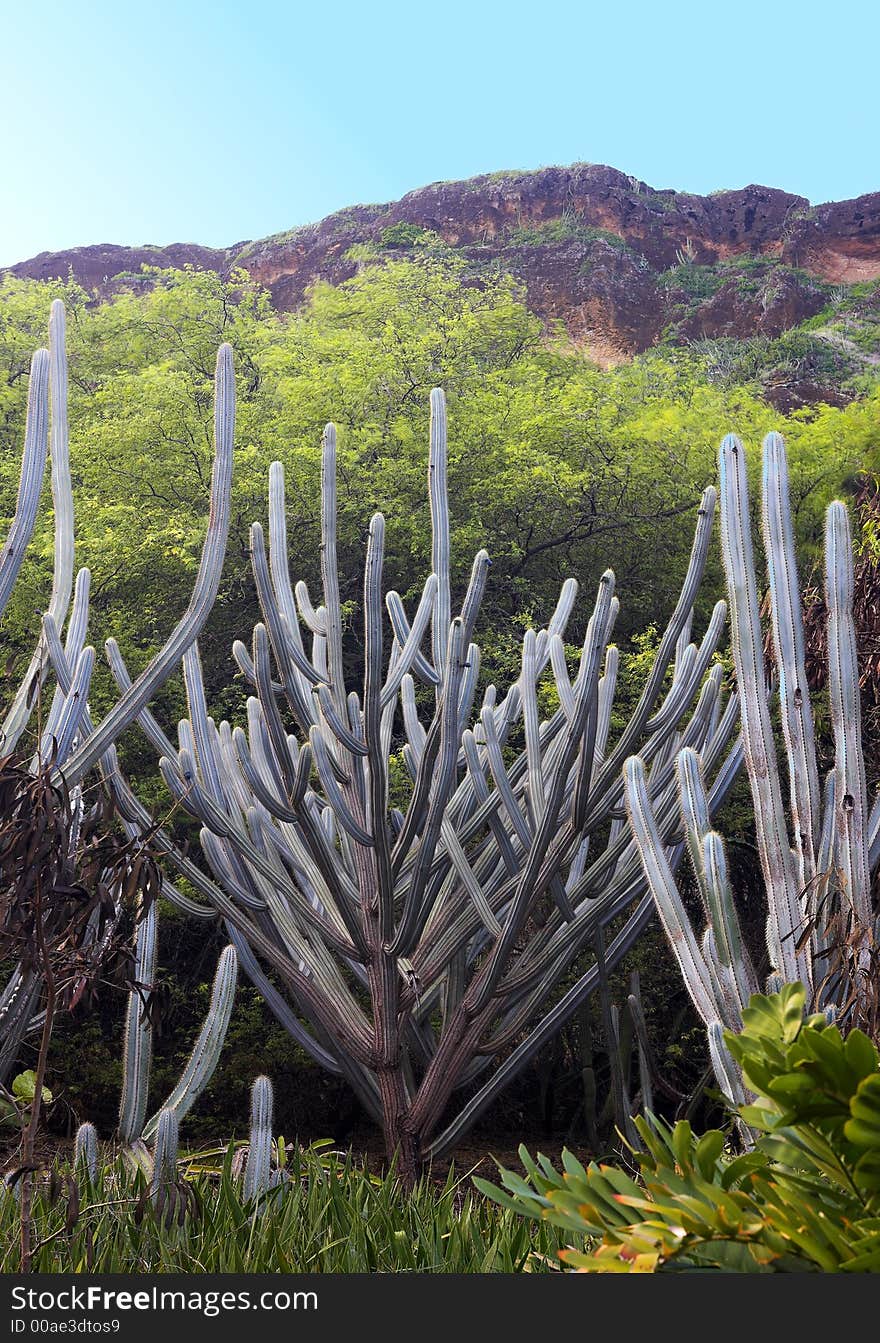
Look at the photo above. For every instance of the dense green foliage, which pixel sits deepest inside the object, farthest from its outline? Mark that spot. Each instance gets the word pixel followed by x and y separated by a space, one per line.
pixel 330 1216
pixel 805 1197
pixel 557 467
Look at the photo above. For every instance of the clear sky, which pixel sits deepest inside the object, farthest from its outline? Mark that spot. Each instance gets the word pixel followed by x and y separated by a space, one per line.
pixel 220 122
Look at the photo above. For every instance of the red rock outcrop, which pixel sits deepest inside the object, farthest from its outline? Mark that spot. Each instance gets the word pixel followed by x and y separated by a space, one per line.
pixel 607 290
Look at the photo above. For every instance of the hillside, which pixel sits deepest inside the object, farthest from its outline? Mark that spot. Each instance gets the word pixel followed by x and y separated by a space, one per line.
pixel 623 266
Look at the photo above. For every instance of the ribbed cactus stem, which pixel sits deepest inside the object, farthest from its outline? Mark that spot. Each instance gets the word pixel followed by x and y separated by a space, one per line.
pixel 165 1152
pixel 788 642
pixel 850 790
pixel 137 696
pixel 781 877
pixel 257 1174
pixel 439 496
pixel 700 977
pixel 85 1151
pixel 138 1034
pixel 33 466
pixel 203 1060
pixel 725 1068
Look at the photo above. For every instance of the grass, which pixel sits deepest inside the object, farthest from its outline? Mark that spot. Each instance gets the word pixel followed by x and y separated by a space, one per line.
pixel 330 1216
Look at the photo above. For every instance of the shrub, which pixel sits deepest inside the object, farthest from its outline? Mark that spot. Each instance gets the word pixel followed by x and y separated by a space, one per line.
pixel 805 1197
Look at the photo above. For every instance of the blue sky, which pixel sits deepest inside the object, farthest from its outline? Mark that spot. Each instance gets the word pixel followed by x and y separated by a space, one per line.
pixel 215 123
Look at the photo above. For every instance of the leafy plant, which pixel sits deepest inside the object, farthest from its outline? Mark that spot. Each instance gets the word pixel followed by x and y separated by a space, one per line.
pixel 805 1198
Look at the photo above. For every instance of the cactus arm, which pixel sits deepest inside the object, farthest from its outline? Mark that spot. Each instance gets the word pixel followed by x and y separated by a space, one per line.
pixel 695 814
pixel 329 568
pixel 413 635
pixel 62 502
pixel 377 763
pixel 332 791
pixel 341 730
pixel 439 498
pixel 315 619
pixel 138 1038
pixel 850 794
pixel 560 675
pixel 608 775
pixel 550 1024
pixel 727 934
pixel 130 704
pixel 416 909
pixel 259 787
pixel 788 640
pixel 777 860
pixel 607 687
pixel 73 711
pixel 528 692
pixel 164 1153
pixel 403 634
pixel 33 467
pixel 280 572
pixel 700 980
pixel 591 657
pixel 203 1060
pixel 17 1007
pixel 466 876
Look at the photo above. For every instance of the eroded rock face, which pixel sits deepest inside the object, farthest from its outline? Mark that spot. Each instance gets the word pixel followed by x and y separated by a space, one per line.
pixel 776 303
pixel 590 244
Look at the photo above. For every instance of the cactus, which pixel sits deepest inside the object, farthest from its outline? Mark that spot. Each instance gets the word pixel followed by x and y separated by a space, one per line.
pixel 69 737
pixel 456 920
pixel 85 1151
pixel 258 1171
pixel 138 1034
pixel 819 873
pixel 205 1056
pixel 164 1154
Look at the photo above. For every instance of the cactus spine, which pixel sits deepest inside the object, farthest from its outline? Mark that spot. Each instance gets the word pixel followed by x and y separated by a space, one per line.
pixel 822 871
pixel 258 1171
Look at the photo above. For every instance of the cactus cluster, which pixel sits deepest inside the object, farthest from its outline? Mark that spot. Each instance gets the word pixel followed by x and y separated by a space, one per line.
pixel 818 854
pixel 69 737
pixel 456 919
pixel 408 949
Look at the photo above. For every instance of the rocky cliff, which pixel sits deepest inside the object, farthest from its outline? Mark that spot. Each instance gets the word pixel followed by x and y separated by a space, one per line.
pixel 619 263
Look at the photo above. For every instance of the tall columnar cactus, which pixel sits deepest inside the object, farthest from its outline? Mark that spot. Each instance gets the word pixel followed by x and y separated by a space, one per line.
pixel 70 738
pixel 258 1170
pixel 138 1034
pixel 412 948
pixel 817 856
